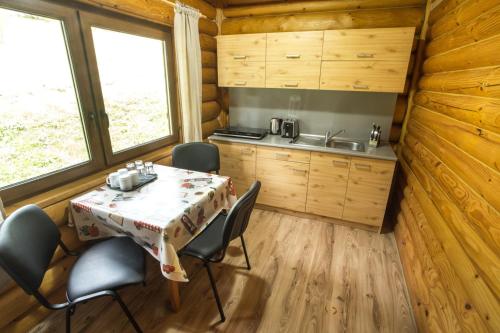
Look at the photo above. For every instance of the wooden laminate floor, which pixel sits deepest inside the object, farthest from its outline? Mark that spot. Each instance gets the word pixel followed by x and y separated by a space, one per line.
pixel 307 276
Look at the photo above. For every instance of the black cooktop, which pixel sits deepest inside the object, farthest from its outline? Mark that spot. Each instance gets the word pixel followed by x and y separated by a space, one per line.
pixel 242 132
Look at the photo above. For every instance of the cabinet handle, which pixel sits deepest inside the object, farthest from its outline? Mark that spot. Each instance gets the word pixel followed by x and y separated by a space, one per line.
pixel 292 84
pixel 247 152
pixel 240 83
pixel 364 167
pixel 340 164
pixel 299 171
pixel 293 56
pixel 282 156
pixel 360 86
pixel 239 57
pixel 366 55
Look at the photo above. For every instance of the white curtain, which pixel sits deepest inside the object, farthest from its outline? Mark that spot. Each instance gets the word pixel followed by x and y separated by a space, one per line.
pixel 188 57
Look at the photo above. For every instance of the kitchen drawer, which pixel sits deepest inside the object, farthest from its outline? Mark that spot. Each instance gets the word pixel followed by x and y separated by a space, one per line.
pixel 239 151
pixel 327 184
pixel 242 74
pixel 283 154
pixel 284 184
pixel 392 44
pixel 299 75
pixel 384 76
pixel 247 47
pixel 371 171
pixel 293 46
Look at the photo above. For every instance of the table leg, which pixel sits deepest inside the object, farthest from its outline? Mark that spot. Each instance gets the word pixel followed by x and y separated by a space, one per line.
pixel 173 295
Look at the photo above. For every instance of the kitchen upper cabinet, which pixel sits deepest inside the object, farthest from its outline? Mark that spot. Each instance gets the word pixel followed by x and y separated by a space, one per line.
pixel 328 177
pixel 294 46
pixel 368 190
pixel 241 48
pixel 372 75
pixel 391 44
pixel 241 60
pixel 353 59
pixel 296 75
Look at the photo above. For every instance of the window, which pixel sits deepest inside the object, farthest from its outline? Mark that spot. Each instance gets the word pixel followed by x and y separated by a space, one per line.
pixel 78 95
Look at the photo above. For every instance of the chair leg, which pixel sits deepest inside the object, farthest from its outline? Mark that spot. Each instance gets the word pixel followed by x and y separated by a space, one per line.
pixel 245 251
pixel 216 294
pixel 127 312
pixel 68 319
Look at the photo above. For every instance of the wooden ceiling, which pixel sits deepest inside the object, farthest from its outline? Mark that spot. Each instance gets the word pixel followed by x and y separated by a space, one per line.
pixel 231 3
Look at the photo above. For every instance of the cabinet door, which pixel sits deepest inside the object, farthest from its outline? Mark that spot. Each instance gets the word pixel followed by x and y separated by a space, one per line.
pixel 384 76
pixel 299 75
pixel 242 74
pixel 238 162
pixel 327 184
pixel 250 47
pixel 284 184
pixel 393 44
pixel 367 190
pixel 293 46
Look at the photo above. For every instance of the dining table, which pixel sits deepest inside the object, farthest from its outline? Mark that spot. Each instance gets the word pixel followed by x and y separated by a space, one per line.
pixel 162 216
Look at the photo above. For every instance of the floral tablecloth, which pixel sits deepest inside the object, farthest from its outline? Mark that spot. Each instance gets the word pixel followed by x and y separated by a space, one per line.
pixel 162 216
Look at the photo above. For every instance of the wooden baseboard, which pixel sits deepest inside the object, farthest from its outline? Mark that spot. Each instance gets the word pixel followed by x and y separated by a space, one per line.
pixel 319 218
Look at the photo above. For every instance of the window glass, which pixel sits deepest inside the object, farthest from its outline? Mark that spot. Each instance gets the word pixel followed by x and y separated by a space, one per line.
pixel 133 82
pixel 40 123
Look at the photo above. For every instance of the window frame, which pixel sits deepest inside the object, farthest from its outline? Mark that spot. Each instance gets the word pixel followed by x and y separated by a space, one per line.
pixel 76 21
pixel 110 22
pixel 75 52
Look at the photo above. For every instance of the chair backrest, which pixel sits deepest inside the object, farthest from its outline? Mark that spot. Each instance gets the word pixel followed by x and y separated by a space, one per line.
pixel 197 156
pixel 28 239
pixel 239 215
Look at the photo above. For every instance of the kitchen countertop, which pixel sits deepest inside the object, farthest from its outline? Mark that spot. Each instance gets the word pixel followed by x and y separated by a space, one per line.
pixel 382 152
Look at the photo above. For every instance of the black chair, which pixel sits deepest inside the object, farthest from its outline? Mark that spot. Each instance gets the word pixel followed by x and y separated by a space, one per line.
pixel 196 156
pixel 211 244
pixel 28 240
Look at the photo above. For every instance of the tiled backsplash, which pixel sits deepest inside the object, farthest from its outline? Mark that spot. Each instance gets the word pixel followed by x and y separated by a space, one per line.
pixel 317 111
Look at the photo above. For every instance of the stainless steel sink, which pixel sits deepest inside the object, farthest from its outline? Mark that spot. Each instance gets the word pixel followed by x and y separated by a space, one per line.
pixel 319 141
pixel 346 144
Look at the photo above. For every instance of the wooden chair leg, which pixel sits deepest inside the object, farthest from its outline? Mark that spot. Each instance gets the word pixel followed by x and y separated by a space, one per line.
pixel 216 294
pixel 68 319
pixel 245 251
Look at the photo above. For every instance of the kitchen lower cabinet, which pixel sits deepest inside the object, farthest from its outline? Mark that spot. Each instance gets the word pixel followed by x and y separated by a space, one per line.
pixel 327 187
pixel 238 162
pixel 284 175
pixel 368 190
pixel 332 185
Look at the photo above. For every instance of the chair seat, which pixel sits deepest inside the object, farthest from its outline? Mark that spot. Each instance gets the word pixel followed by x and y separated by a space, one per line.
pixel 208 242
pixel 108 265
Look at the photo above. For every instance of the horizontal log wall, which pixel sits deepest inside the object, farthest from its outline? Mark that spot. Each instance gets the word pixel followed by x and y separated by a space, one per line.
pixel 20 312
pixel 448 203
pixel 337 14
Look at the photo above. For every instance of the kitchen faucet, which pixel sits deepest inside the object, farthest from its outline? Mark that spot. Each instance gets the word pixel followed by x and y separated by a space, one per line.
pixel 329 135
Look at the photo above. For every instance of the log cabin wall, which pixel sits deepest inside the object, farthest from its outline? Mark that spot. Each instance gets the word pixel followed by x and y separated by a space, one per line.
pixel 448 230
pixel 277 16
pixel 20 312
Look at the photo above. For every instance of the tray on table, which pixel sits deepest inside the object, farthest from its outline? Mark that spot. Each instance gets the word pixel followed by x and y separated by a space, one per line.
pixel 143 180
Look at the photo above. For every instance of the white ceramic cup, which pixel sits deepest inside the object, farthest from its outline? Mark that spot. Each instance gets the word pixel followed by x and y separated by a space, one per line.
pixel 134 174
pixel 123 171
pixel 113 179
pixel 125 182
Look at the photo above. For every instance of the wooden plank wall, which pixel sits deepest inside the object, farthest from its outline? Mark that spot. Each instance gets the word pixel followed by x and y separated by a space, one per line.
pixel 325 15
pixel 20 312
pixel 448 218
pixel 158 12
